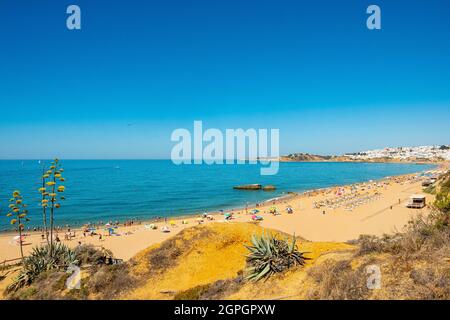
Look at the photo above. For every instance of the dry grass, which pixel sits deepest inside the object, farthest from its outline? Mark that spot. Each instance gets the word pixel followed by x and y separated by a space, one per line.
pixel 47 286
pixel 214 291
pixel 337 280
pixel 110 281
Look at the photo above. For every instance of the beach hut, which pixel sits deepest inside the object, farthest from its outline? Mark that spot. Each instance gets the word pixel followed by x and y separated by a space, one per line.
pixel 417 201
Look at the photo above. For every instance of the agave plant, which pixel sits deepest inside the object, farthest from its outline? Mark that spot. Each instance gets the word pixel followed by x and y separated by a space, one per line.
pixel 40 261
pixel 52 194
pixel 269 255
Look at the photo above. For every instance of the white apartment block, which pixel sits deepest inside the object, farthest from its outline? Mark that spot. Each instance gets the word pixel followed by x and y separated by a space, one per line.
pixel 404 153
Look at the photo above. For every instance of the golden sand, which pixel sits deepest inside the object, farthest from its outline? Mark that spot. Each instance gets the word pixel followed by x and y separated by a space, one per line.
pixel 385 212
pixel 215 254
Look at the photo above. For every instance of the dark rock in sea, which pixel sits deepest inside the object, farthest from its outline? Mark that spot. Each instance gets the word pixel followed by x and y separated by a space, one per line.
pixel 248 187
pixel 269 188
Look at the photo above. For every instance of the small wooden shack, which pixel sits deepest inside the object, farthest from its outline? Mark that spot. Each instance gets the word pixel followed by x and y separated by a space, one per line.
pixel 417 201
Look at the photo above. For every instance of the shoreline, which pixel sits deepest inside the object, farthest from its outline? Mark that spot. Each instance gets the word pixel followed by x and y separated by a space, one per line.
pixel 311 223
pixel 239 207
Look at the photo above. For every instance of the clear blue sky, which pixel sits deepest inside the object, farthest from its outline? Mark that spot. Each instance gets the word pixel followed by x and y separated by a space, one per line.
pixel 139 69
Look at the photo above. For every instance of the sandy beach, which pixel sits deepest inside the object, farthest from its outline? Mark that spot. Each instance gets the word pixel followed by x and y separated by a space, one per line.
pixel 332 214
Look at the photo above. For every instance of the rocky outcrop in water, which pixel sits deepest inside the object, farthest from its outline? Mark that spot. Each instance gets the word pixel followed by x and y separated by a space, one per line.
pixel 248 187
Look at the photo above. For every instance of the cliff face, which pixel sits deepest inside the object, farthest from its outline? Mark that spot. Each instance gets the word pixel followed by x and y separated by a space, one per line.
pixel 304 157
pixel 207 262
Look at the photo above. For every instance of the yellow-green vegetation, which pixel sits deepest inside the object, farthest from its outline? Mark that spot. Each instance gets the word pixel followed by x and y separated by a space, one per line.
pixel 442 202
pixel 18 214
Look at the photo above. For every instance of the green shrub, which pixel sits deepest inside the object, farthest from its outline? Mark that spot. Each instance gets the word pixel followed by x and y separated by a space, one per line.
pixel 40 261
pixel 430 189
pixel 88 254
pixel 110 281
pixel 269 255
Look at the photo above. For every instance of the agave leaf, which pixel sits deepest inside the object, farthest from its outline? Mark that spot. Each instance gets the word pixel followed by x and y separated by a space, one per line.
pixel 263 272
pixel 292 245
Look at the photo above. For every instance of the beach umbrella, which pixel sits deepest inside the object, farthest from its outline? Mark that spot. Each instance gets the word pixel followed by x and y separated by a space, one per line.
pixel 18 239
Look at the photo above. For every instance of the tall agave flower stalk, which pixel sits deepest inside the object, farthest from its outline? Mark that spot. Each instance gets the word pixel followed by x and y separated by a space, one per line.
pixel 44 201
pixel 269 255
pixel 54 175
pixel 18 215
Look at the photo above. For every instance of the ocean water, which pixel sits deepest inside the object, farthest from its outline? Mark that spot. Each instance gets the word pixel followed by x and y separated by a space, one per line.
pixel 104 190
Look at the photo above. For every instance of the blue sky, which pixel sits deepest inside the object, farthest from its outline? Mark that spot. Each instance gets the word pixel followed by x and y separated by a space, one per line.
pixel 139 69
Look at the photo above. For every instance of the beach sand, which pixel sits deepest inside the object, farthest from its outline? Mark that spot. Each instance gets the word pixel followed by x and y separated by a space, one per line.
pixel 386 212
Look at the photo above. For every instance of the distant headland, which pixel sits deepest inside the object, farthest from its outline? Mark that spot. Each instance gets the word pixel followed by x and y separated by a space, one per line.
pixel 420 154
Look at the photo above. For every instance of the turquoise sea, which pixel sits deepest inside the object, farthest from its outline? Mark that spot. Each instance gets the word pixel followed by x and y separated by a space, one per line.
pixel 104 190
